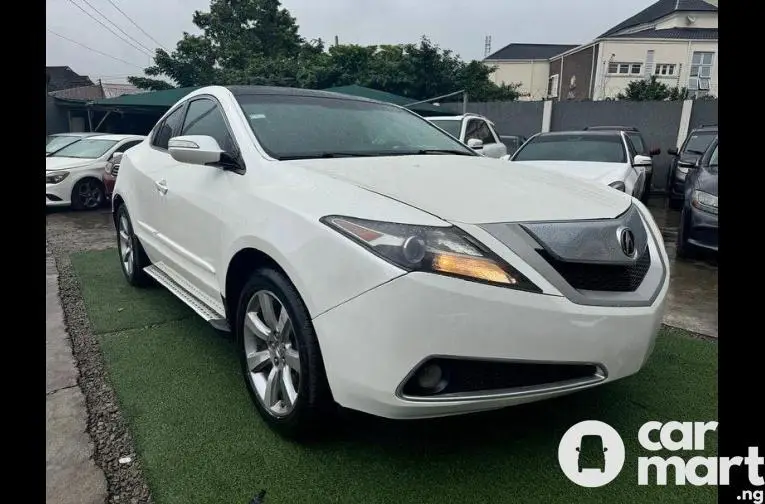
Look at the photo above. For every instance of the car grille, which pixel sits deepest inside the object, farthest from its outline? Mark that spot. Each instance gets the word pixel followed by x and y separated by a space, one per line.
pixel 602 277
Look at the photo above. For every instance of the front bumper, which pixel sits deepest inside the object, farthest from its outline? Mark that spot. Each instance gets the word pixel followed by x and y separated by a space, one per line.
pixel 60 194
pixel 371 343
pixel 703 229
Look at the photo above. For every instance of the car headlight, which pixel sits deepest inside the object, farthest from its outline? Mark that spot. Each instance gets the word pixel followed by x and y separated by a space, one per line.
pixel 441 250
pixel 704 201
pixel 55 178
pixel 618 185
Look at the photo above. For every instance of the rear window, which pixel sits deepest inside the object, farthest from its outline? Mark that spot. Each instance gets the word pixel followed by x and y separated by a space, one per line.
pixel 591 148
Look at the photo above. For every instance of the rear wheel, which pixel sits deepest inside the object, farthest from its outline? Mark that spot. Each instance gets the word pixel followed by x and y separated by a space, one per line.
pixel 133 259
pixel 88 194
pixel 280 357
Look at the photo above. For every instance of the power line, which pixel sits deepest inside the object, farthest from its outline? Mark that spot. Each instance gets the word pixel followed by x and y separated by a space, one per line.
pixel 117 26
pixel 137 26
pixel 93 50
pixel 112 31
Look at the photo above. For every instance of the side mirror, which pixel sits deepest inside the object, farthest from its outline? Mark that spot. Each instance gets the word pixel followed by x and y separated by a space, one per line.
pixel 642 161
pixel 655 152
pixel 195 149
pixel 673 151
pixel 474 143
pixel 116 157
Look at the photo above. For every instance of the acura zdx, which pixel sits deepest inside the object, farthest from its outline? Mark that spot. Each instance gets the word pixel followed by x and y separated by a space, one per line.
pixel 363 257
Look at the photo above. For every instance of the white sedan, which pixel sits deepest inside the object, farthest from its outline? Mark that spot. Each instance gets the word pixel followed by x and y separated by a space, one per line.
pixel 73 174
pixel 604 157
pixel 363 257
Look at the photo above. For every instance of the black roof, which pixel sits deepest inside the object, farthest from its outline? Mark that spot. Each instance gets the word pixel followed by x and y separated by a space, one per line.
pixel 612 128
pixel 63 77
pixel 530 51
pixel 659 10
pixel 288 91
pixel 675 33
pixel 605 133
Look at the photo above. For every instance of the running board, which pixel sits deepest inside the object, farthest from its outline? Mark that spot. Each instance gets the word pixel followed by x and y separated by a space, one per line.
pixel 202 304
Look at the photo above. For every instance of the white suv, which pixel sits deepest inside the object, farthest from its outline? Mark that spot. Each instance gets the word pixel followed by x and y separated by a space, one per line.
pixel 363 257
pixel 475 131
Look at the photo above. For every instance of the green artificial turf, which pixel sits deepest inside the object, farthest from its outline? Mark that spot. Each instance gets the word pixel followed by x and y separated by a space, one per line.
pixel 200 440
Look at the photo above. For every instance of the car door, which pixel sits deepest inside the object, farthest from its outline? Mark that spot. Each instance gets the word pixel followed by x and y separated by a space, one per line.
pixel 479 129
pixel 150 168
pixel 194 204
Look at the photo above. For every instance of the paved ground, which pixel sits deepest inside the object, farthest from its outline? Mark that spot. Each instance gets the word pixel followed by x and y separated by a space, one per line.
pixel 693 289
pixel 72 476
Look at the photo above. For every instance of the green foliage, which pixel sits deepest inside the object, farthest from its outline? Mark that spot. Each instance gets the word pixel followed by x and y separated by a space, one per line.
pixel 257 42
pixel 652 90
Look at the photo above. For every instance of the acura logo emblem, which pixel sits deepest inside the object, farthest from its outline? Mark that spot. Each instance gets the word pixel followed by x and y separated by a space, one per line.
pixel 627 241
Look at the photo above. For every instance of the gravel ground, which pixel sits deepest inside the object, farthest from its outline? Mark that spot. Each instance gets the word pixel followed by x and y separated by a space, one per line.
pixel 67 233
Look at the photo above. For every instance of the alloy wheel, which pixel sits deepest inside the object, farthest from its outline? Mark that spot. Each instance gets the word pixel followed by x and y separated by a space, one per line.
pixel 271 350
pixel 89 194
pixel 125 245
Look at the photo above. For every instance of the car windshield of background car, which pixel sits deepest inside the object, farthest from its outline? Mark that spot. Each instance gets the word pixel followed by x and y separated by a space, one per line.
pixel 295 127
pixel 637 141
pixel 603 149
pixel 451 126
pixel 55 143
pixel 699 142
pixel 713 159
pixel 86 149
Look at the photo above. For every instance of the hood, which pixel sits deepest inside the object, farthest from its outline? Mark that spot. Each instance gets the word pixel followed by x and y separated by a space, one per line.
pixel 475 190
pixel 596 172
pixel 63 163
pixel 707 181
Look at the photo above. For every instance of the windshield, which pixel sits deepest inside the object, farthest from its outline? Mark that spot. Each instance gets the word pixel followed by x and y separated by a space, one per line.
pixel 698 142
pixel 600 148
pixel 54 143
pixel 713 158
pixel 87 148
pixel 296 127
pixel 451 126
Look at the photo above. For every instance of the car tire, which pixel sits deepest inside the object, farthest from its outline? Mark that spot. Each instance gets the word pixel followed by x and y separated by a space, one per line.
pixel 683 249
pixel 88 194
pixel 271 355
pixel 646 190
pixel 133 258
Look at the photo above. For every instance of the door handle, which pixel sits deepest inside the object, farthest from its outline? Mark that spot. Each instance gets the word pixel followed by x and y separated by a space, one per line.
pixel 161 186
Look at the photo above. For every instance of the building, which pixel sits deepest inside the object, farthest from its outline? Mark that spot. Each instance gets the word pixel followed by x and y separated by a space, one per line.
pixel 674 40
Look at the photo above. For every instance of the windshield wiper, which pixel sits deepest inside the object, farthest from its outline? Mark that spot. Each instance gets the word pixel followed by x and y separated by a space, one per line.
pixel 444 151
pixel 326 155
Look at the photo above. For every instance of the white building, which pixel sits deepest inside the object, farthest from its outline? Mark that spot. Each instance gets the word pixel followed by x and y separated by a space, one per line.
pixel 675 40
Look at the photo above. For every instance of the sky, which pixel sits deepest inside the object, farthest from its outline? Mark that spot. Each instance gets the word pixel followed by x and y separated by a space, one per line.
pixel 147 24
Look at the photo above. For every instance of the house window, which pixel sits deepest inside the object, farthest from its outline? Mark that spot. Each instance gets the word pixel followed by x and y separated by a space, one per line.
pixel 664 69
pixel 699 81
pixel 625 68
pixel 552 86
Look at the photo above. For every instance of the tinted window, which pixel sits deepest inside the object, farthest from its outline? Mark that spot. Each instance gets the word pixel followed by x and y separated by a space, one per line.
pixel 600 148
pixel 170 127
pixel 697 143
pixel 477 128
pixel 87 149
pixel 311 126
pixel 637 141
pixel 204 117
pixel 127 145
pixel 451 126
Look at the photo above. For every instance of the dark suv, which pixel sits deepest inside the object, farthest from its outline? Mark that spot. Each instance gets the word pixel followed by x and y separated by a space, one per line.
pixel 698 220
pixel 640 147
pixel 685 158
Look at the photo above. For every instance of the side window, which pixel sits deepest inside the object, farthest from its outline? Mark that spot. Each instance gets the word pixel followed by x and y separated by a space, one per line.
pixel 204 117
pixel 637 141
pixel 477 128
pixel 170 127
pixel 631 152
pixel 127 145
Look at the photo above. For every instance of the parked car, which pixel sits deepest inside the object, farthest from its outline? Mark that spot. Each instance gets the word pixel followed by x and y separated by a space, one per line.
pixel 606 157
pixel 58 141
pixel 364 257
pixel 641 147
pixel 685 158
pixel 698 219
pixel 109 177
pixel 512 142
pixel 73 175
pixel 475 131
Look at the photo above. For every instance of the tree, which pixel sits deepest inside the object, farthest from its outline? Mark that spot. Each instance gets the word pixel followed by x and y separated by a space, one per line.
pixel 652 90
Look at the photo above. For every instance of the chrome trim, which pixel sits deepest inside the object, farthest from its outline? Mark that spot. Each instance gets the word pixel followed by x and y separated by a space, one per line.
pixel 548 388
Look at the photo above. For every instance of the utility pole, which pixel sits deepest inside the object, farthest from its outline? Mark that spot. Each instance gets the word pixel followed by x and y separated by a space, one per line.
pixel 337 41
pixel 487 46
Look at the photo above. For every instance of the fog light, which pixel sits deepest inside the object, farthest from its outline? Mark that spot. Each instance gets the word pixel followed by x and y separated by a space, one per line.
pixel 431 379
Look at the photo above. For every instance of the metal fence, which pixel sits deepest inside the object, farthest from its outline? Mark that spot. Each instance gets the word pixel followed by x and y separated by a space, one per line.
pixel 659 121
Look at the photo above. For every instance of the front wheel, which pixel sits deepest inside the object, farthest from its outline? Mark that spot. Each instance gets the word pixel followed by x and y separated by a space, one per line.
pixel 88 194
pixel 280 357
pixel 133 259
